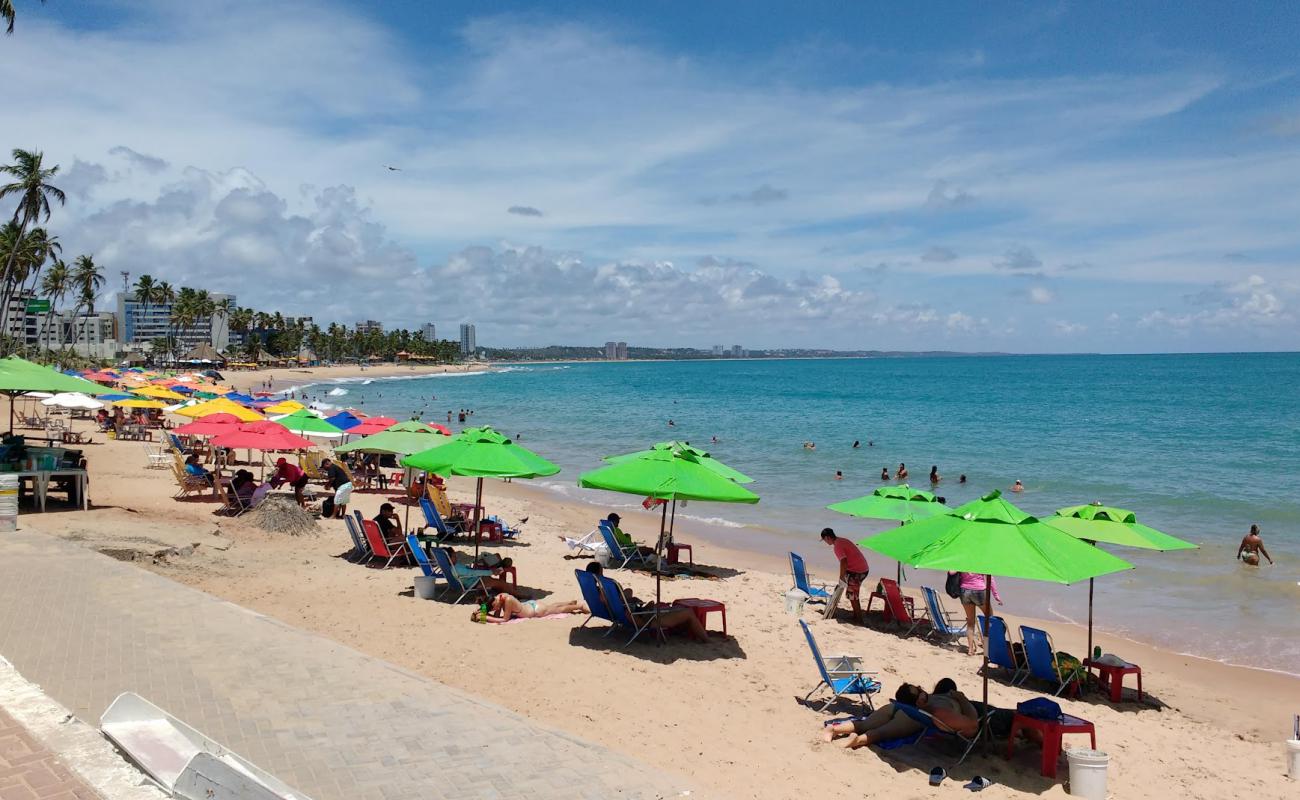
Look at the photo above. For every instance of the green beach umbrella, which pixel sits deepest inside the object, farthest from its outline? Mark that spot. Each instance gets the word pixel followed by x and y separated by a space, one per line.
pixel 402 439
pixel 990 536
pixel 1098 523
pixel 305 423
pixel 669 474
pixel 18 375
pixel 901 502
pixel 480 453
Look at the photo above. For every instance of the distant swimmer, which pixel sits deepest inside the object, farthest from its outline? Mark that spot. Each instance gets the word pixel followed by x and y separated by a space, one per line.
pixel 713 439
pixel 672 424
pixel 884 473
pixel 1017 487
pixel 902 472
pixel 1252 547
pixel 839 476
pixel 870 443
pixel 856 444
pixel 809 446
pixel 962 479
pixel 934 474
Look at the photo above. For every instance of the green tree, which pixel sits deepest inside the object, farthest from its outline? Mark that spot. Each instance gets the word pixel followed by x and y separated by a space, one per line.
pixel 8 13
pixel 31 185
pixel 54 285
pixel 87 279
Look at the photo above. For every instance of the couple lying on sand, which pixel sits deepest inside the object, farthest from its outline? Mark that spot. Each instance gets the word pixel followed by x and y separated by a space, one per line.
pixel 949 707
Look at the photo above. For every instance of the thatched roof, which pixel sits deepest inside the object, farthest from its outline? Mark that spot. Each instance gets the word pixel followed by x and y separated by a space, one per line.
pixel 204 352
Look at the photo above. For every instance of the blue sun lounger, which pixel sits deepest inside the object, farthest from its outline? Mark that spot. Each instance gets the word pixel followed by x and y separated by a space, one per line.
pixel 935 728
pixel 800 575
pixel 1041 657
pixel 466 583
pixel 941 621
pixel 626 555
pixel 434 520
pixel 636 621
pixel 588 582
pixel 841 674
pixel 999 648
pixel 360 551
pixel 421 560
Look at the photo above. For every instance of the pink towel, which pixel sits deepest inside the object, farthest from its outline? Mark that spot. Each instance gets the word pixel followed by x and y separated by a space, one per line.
pixel 529 619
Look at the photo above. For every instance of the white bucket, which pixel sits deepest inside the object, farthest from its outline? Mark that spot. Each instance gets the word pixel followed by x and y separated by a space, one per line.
pixel 1293 758
pixel 1087 773
pixel 603 556
pixel 425 587
pixel 794 601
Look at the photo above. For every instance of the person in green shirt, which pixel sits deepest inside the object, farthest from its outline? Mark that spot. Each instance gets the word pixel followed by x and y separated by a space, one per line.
pixel 623 539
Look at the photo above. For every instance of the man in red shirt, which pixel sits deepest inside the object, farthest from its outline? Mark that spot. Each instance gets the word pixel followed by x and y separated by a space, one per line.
pixel 292 475
pixel 853 568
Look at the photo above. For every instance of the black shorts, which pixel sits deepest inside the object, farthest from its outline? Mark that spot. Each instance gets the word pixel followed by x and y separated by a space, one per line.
pixel 301 483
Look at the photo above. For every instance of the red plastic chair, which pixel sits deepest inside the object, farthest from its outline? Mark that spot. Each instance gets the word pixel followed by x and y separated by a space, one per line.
pixel 381 547
pixel 898 608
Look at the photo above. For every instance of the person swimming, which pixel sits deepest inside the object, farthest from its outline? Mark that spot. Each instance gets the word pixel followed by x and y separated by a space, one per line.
pixel 1017 487
pixel 934 474
pixel 962 479
pixel 884 473
pixel 856 444
pixel 839 476
pixel 1252 547
pixel 902 472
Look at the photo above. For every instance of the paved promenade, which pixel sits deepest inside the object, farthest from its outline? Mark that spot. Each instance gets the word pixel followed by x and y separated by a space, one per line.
pixel 28 770
pixel 334 723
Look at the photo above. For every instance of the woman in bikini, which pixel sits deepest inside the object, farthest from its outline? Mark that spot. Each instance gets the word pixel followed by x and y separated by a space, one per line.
pixel 505 607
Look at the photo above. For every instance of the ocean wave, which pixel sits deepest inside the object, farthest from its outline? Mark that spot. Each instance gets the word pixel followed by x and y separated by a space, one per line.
pixel 720 522
pixel 337 392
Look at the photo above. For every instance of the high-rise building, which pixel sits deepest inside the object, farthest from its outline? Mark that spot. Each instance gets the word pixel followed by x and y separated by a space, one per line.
pixel 429 332
pixel 468 344
pixel 138 323
pixel 719 350
pixel 369 325
pixel 736 351
pixel 611 351
pixel 620 352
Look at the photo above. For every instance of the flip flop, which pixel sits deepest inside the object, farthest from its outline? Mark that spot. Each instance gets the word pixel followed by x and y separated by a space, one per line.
pixel 978 783
pixel 937 775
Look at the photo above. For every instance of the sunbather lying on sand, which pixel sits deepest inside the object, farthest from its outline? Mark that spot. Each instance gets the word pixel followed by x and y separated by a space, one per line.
pixel 951 710
pixel 505 607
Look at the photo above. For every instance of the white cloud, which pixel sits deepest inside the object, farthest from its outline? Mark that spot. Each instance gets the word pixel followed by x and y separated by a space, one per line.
pixel 1019 258
pixel 1249 303
pixel 944 196
pixel 939 254
pixel 1066 328
pixel 1040 295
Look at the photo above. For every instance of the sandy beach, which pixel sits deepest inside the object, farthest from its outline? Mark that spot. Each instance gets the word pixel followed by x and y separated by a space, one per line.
pixel 726 714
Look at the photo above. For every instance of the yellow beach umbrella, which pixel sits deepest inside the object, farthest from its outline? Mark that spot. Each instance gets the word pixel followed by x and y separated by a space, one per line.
pixel 160 392
pixel 285 407
pixel 220 406
pixel 137 403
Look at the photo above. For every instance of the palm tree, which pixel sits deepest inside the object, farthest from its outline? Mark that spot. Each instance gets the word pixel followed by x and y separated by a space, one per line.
pixel 222 310
pixel 8 13
pixel 87 279
pixel 31 185
pixel 54 285
pixel 144 292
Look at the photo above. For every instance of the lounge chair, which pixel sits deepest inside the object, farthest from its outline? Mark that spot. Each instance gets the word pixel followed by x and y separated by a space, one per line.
pixel 998 646
pixel 589 583
pixel 934 727
pixel 898 608
pixel 188 484
pixel 585 544
pixel 309 463
pixel 625 555
pixel 1040 655
pixel 175 442
pixel 636 621
pixel 841 674
pixel 941 622
pixel 360 551
pixel 467 583
pixel 507 532
pixel 799 573
pixel 422 560
pixel 380 547
pixel 157 456
pixel 436 521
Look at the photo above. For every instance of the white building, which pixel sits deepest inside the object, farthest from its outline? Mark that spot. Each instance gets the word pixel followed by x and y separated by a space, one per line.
pixel 139 324
pixel 736 351
pixel 468 342
pixel 719 350
pixel 611 350
pixel 620 351
pixel 370 325
pixel 92 335
pixel 429 332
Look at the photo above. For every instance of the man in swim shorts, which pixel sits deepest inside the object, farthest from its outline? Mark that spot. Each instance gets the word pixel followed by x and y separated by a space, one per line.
pixel 853 568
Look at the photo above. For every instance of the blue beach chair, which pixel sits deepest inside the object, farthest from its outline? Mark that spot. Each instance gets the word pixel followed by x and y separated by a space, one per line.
pixel 935 728
pixel 466 583
pixel 800 575
pixel 627 555
pixel 941 621
pixel 434 520
pixel 360 551
pixel 421 560
pixel 636 621
pixel 841 674
pixel 588 582
pixel 1041 657
pixel 999 648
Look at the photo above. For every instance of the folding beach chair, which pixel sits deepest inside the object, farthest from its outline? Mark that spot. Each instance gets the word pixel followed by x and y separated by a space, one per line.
pixel 799 573
pixel 360 551
pixel 898 608
pixel 935 728
pixel 157 455
pixel 466 583
pixel 998 646
pixel 944 623
pixel 422 560
pixel 841 674
pixel 589 583
pixel 434 520
pixel 188 484
pixel 380 547
pixel 1040 655
pixel 627 555
pixel 585 544
pixel 636 621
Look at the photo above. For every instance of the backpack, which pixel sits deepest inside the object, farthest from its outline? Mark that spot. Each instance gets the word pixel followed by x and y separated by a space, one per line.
pixel 327 508
pixel 1040 708
pixel 952 586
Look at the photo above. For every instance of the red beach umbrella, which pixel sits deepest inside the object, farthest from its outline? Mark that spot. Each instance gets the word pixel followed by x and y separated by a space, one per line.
pixel 264 435
pixel 372 425
pixel 211 425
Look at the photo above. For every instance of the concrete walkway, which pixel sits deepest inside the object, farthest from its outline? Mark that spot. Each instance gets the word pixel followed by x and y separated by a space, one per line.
pixel 29 770
pixel 322 717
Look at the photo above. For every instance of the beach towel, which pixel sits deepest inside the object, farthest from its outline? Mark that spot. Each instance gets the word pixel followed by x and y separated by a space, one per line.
pixel 530 619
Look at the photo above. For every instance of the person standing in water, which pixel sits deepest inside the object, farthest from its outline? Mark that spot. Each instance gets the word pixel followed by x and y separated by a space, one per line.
pixel 902 472
pixel 884 473
pixel 1252 547
pixel 934 474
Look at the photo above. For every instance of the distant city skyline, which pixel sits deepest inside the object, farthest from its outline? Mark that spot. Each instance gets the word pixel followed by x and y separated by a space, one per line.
pixel 1023 178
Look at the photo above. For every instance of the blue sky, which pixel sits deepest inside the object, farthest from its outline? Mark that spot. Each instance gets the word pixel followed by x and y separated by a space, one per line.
pixel 1029 177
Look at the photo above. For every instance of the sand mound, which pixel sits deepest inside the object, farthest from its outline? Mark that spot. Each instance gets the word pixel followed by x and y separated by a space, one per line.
pixel 282 515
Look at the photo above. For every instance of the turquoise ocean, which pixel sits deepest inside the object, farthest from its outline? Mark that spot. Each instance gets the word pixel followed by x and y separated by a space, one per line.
pixel 1199 446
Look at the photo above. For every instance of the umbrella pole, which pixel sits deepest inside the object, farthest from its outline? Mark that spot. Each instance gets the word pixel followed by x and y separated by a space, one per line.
pixel 1091 581
pixel 659 546
pixel 672 521
pixel 478 517
pixel 988 615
